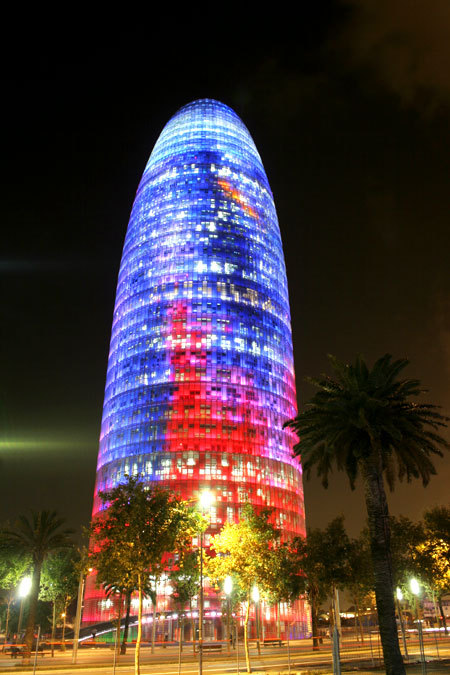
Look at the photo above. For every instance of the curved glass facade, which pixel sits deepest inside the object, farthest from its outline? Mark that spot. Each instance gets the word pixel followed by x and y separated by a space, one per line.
pixel 200 373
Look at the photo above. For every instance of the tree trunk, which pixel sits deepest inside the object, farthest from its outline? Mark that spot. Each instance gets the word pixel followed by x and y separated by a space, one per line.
pixel 123 648
pixel 119 621
pixel 247 653
pixel 358 613
pixel 63 638
pixel 137 653
pixel 53 627
pixel 154 623
pixel 441 609
pixel 192 625
pixel 314 621
pixel 34 594
pixel 8 612
pixel 379 529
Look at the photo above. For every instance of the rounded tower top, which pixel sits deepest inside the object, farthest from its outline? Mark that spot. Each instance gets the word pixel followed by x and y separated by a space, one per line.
pixel 206 125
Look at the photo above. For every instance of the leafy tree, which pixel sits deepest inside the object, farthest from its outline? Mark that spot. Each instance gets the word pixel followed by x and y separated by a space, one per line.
pixel 185 581
pixel 35 537
pixel 360 580
pixel 137 529
pixel 437 522
pixel 59 584
pixel 12 569
pixel 432 555
pixel 364 422
pixel 406 535
pixel 243 551
pixel 322 557
pixel 117 577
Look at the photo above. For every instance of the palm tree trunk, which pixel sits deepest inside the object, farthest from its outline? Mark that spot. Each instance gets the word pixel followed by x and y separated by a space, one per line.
pixel 137 653
pixel 379 530
pixel 247 653
pixel 123 648
pixel 34 594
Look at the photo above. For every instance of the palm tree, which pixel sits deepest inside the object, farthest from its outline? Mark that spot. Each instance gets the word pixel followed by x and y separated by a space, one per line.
pixel 35 537
pixel 363 421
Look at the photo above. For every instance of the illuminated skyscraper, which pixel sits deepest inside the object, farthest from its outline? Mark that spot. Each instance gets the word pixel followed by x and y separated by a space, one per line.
pixel 200 372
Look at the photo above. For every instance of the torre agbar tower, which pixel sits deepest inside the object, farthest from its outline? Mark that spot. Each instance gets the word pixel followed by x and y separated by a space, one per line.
pixel 200 373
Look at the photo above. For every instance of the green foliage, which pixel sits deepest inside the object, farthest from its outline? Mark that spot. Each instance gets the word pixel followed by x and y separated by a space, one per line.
pixel 13 568
pixel 437 522
pixel 132 537
pixel 33 538
pixel 432 554
pixel 59 580
pixel 139 526
pixel 185 579
pixel 405 537
pixel 245 551
pixel 323 558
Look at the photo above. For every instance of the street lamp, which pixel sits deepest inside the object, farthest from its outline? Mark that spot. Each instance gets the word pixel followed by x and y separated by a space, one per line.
pixel 205 500
pixel 24 589
pixel 414 586
pixel 415 590
pixel 255 596
pixel 228 587
pixel 399 596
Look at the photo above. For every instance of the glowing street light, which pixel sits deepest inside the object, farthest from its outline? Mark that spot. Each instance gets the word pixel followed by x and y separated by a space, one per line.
pixel 206 499
pixel 228 585
pixel 415 590
pixel 24 587
pixel 399 596
pixel 24 590
pixel 414 586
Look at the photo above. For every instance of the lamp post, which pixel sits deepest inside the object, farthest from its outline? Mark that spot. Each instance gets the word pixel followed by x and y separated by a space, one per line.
pixel 255 596
pixel 228 587
pixel 76 635
pixel 24 589
pixel 205 502
pixel 399 596
pixel 415 590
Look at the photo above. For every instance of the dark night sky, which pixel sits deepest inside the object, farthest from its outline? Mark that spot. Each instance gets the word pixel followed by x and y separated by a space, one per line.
pixel 349 106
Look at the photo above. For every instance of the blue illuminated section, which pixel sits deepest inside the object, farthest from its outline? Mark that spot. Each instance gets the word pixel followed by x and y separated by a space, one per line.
pixel 200 372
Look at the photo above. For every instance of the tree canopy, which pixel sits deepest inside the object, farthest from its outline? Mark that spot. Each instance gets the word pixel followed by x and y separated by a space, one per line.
pixel 34 538
pixel 133 535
